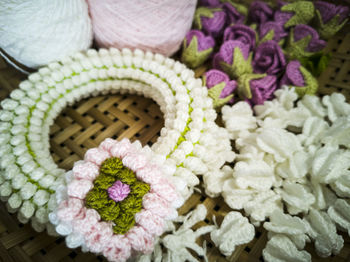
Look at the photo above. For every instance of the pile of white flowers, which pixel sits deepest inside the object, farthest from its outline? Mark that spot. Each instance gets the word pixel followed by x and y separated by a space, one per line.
pixel 293 168
pixel 190 143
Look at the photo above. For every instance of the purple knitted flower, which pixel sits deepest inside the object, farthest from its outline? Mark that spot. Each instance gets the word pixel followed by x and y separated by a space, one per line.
pixel 293 75
pixel 210 20
pixel 262 89
pixel 315 44
pixel 242 33
pixel 236 13
pixel 203 42
pixel 269 58
pixel 282 17
pixel 118 191
pixel 197 48
pixel 220 87
pixel 272 31
pixel 302 80
pixel 233 58
pixel 260 12
pixel 328 11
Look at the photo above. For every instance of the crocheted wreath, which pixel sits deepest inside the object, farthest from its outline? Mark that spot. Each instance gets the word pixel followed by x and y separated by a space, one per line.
pixel 116 201
pixel 190 143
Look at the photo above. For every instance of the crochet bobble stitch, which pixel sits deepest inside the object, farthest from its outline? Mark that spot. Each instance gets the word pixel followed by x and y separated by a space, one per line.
pixel 190 143
pixel 100 198
pixel 87 217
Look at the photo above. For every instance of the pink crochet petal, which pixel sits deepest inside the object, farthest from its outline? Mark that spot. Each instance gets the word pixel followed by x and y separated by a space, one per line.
pixel 140 239
pixel 156 204
pixel 117 249
pixel 134 161
pixel 165 190
pixel 99 237
pixel 86 225
pixel 121 148
pixel 71 209
pixel 152 223
pixel 86 170
pixel 79 188
pixel 149 174
pixel 107 144
pixel 96 155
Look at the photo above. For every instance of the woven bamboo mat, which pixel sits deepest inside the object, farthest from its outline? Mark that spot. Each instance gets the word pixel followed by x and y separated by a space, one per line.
pixel 88 122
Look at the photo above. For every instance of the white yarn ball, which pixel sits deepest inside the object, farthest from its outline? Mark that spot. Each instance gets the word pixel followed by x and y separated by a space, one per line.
pixel 37 32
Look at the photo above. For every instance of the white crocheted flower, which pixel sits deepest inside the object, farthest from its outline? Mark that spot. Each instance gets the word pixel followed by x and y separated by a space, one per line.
pixel 235 230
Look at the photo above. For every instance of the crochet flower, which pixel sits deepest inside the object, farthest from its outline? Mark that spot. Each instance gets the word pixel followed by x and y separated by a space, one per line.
pixel 260 12
pixel 242 33
pixel 272 31
pixel 292 14
pixel 331 18
pixel 304 41
pixel 257 88
pixel 210 20
pixel 197 47
pixel 235 13
pixel 220 87
pixel 303 81
pixel 269 58
pixel 117 201
pixel 233 58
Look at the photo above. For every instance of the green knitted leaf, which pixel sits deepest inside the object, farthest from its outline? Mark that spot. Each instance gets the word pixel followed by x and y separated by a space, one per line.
pixel 214 93
pixel 244 90
pixel 191 56
pixel 240 66
pixel 269 36
pixel 203 11
pixel 297 50
pixel 311 84
pixel 316 63
pixel 303 13
pixel 329 29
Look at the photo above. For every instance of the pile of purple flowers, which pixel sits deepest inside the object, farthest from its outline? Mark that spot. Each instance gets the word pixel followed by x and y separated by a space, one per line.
pixel 254 51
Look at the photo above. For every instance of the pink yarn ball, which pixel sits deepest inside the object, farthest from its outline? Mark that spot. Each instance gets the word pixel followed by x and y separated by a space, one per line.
pixel 153 25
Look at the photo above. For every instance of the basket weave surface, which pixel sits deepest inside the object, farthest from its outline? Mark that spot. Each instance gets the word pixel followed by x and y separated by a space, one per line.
pixel 88 122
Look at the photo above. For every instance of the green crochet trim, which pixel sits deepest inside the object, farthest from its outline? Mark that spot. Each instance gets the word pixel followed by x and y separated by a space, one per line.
pixel 120 213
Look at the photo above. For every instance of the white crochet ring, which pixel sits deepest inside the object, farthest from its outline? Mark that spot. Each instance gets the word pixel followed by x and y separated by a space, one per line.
pixel 190 143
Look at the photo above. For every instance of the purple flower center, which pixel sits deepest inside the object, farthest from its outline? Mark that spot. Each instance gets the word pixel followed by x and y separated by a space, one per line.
pixel 118 191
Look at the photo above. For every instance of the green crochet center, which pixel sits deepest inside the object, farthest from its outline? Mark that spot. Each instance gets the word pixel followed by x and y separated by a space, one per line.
pixel 120 213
